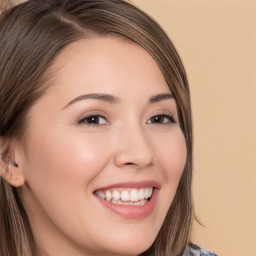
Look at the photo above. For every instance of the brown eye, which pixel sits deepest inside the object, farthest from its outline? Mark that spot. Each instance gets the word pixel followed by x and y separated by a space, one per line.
pixel 161 119
pixel 93 120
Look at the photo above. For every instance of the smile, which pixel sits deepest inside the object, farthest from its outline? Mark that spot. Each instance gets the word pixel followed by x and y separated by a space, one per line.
pixel 129 200
pixel 126 196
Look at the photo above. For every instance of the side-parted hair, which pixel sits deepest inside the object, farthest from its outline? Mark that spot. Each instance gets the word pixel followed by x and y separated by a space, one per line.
pixel 32 35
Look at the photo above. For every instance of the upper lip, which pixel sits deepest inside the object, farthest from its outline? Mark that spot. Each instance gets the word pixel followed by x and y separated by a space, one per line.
pixel 140 184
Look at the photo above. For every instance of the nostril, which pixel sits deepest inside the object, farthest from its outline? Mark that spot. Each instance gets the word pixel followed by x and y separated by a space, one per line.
pixel 129 163
pixel 129 158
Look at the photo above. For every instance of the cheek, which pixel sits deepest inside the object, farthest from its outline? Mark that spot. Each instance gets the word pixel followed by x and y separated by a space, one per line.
pixel 59 170
pixel 172 155
pixel 57 159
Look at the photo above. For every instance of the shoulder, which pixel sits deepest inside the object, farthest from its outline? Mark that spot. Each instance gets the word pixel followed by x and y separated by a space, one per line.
pixel 194 250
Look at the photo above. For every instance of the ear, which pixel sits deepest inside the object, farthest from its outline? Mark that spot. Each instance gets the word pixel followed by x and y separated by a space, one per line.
pixel 10 170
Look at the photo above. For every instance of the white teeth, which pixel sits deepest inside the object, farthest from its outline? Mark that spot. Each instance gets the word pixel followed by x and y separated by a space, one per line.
pixel 134 195
pixel 108 195
pixel 148 192
pixel 100 194
pixel 125 196
pixel 116 195
pixel 140 203
pixel 122 196
pixel 141 194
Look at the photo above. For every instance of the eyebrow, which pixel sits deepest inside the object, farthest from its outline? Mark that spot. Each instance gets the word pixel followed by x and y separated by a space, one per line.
pixel 95 96
pixel 114 100
pixel 160 97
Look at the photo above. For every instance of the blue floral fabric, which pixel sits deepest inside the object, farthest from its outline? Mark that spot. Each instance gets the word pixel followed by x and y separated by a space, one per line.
pixel 194 250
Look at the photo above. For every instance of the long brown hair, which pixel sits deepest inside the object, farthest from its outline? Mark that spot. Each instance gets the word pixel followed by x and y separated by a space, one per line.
pixel 31 36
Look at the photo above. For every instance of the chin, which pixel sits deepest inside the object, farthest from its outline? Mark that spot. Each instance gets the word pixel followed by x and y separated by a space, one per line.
pixel 132 245
pixel 129 249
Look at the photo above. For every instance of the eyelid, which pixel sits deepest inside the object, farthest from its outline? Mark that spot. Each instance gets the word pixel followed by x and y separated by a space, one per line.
pixel 98 113
pixel 167 113
pixel 90 116
pixel 170 117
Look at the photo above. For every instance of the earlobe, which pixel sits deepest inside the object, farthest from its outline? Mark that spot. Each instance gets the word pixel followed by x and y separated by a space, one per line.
pixel 14 175
pixel 10 170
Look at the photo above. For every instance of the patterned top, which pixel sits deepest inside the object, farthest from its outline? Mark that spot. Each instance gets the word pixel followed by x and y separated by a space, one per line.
pixel 194 250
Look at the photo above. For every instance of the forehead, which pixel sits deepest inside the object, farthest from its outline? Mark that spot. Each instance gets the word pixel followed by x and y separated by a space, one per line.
pixel 106 63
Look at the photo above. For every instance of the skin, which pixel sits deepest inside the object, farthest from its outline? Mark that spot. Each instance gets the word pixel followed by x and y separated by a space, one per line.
pixel 63 161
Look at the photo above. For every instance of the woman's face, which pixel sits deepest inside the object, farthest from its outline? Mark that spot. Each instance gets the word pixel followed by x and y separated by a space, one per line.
pixel 103 136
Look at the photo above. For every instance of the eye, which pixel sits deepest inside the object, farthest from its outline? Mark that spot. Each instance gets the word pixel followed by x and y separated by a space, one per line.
pixel 161 119
pixel 93 120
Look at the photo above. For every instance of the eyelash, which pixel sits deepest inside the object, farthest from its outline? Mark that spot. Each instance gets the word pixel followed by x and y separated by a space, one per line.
pixel 170 119
pixel 96 119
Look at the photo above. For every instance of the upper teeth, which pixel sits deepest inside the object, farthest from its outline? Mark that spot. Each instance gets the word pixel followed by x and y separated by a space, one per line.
pixel 133 195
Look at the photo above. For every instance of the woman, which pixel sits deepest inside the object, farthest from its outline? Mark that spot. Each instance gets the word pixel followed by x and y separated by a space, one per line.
pixel 96 134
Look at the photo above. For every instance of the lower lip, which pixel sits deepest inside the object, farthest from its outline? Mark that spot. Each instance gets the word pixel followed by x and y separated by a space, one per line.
pixel 132 211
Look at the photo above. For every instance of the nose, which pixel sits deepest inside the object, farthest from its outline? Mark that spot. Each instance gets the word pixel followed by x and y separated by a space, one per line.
pixel 133 149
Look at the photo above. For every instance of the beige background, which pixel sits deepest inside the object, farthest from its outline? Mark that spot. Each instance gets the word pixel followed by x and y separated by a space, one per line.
pixel 6 4
pixel 217 42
